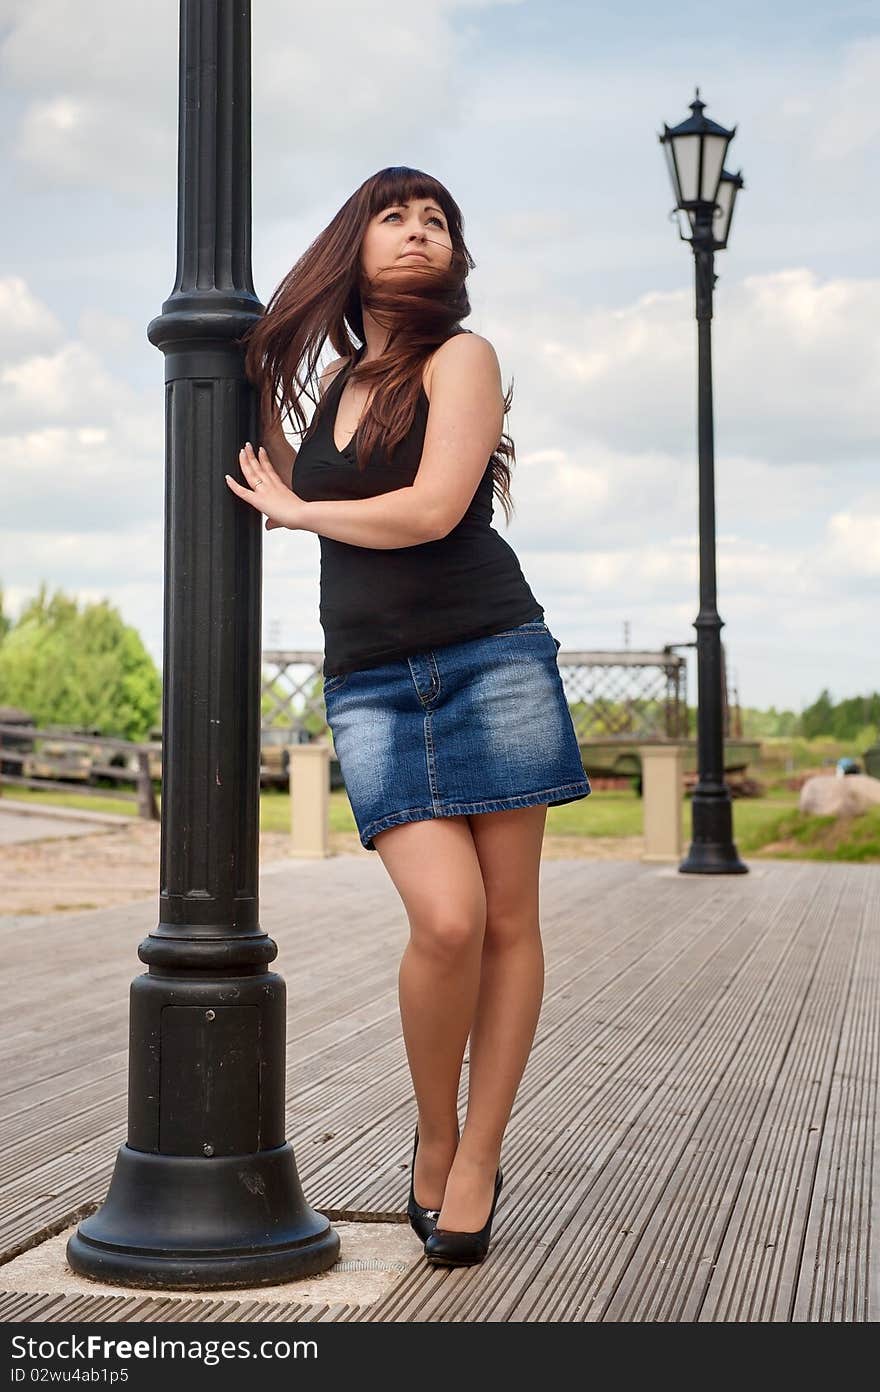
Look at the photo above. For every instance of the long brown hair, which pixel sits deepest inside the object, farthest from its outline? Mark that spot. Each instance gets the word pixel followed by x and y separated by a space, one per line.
pixel 323 296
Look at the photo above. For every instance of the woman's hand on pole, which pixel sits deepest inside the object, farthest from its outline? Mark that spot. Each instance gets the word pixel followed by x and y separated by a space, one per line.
pixel 267 493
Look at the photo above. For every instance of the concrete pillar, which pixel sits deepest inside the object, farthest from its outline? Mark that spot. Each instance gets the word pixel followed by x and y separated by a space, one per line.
pixel 309 799
pixel 662 792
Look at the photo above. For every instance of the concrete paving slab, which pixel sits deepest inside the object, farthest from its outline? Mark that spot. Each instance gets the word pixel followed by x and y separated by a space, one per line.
pixel 372 1258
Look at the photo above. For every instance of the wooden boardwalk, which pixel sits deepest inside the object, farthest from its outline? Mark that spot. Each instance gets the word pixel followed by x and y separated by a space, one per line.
pixel 695 1136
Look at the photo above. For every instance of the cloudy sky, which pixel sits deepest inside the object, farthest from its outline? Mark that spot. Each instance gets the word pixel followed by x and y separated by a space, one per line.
pixel 541 117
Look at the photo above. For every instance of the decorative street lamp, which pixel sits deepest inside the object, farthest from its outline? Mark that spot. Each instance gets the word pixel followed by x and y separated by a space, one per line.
pixel 728 187
pixel 705 194
pixel 205 1192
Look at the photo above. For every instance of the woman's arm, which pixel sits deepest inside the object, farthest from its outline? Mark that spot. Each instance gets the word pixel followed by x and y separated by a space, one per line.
pixel 464 425
pixel 382 523
pixel 465 420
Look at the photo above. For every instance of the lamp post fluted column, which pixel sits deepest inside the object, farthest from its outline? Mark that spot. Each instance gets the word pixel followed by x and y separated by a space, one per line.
pixel 205 1192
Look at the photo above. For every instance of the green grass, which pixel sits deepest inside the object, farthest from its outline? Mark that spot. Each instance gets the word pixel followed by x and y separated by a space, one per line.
pixel 610 813
pixel 79 802
pixel 757 822
pixel 753 816
pixel 794 836
pixel 274 806
pixel 275 811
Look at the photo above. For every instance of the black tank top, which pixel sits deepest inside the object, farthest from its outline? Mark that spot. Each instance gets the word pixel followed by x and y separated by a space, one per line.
pixel 377 605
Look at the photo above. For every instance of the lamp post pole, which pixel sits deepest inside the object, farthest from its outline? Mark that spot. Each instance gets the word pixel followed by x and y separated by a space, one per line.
pixel 205 1192
pixel 712 848
pixel 706 194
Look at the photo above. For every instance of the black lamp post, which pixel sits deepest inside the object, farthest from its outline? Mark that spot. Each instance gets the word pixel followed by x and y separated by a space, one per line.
pixel 705 194
pixel 205 1192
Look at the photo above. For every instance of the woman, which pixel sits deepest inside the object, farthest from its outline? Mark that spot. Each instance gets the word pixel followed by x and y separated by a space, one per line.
pixel 441 682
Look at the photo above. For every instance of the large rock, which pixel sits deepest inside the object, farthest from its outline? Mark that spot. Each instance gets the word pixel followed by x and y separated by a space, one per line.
pixel 833 796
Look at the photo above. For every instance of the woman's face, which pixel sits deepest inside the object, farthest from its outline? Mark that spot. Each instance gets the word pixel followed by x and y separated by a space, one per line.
pixel 398 231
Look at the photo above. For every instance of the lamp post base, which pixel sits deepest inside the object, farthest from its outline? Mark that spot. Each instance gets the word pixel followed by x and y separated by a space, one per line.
pixel 182 1222
pixel 712 850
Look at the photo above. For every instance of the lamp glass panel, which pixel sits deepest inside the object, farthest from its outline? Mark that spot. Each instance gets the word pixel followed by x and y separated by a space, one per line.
pixel 714 148
pixel 670 164
pixel 687 157
pixel 685 224
pixel 721 216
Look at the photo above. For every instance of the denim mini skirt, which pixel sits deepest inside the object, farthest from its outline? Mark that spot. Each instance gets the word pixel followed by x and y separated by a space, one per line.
pixel 477 726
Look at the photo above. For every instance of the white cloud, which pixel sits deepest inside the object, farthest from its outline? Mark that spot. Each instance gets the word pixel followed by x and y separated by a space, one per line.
pixel 849 123
pixel 123 556
pixel 26 322
pixel 854 543
pixel 97 101
pixel 80 480
pixel 580 284
pixel 73 385
pixel 81 448
pixel 105 333
pixel 796 362
pixel 99 96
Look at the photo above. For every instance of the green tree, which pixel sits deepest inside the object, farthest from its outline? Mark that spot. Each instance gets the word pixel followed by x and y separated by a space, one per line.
pixel 843 720
pixel 853 714
pixel 5 621
pixel 818 719
pixel 75 667
pixel 759 724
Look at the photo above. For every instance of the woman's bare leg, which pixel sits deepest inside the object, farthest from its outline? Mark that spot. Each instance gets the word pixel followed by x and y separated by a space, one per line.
pixel 435 869
pixel 508 847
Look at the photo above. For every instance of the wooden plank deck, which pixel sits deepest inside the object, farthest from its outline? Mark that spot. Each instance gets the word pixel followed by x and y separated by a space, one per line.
pixel 694 1138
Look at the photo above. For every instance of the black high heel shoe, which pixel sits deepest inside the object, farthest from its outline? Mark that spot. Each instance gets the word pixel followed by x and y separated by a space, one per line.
pixel 446 1247
pixel 422 1220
